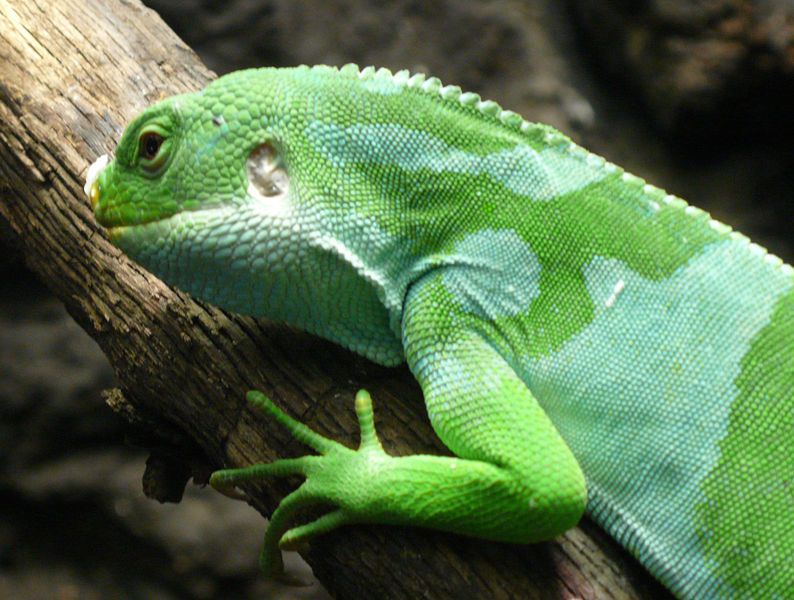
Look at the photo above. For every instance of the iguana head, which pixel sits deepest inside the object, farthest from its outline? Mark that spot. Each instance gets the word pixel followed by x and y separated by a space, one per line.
pixel 188 153
pixel 199 192
pixel 142 184
pixel 221 194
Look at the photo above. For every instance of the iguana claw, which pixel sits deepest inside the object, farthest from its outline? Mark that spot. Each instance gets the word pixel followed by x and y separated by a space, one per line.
pixel 328 476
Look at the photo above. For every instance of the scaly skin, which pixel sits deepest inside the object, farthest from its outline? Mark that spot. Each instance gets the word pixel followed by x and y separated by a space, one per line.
pixel 565 320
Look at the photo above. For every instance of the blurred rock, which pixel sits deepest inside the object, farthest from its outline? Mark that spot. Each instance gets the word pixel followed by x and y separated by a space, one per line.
pixel 50 374
pixel 700 65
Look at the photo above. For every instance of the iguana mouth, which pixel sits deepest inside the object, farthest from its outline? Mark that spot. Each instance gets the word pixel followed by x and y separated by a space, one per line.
pixel 95 187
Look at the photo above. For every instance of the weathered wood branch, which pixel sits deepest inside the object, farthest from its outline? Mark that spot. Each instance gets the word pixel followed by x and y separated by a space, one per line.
pixel 72 74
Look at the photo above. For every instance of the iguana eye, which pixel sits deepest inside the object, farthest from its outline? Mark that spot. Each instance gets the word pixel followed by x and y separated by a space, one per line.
pixel 150 145
pixel 153 149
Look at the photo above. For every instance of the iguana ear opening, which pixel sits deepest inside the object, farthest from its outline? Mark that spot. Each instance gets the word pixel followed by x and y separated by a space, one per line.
pixel 268 179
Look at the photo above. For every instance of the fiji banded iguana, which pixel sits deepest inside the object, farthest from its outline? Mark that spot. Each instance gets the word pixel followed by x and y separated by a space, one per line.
pixel 582 339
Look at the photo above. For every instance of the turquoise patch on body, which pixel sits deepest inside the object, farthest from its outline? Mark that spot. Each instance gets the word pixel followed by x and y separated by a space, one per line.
pixel 492 273
pixel 642 395
pixel 538 175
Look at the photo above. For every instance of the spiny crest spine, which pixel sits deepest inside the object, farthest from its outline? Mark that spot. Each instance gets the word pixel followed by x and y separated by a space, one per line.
pixel 512 120
pixel 450 93
pixel 453 93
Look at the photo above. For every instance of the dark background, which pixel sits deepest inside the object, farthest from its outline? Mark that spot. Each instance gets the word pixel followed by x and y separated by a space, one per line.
pixel 695 96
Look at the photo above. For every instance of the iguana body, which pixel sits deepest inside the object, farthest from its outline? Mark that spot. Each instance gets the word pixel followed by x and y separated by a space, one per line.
pixel 550 305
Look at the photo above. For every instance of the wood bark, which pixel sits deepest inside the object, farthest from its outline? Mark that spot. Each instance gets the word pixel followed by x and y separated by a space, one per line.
pixel 72 74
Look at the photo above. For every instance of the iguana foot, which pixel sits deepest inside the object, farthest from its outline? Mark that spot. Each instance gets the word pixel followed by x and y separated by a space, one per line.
pixel 338 476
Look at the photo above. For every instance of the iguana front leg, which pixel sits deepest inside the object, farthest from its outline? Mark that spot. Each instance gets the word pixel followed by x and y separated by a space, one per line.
pixel 514 479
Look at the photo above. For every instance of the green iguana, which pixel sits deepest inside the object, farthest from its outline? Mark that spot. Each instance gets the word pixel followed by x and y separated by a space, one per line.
pixel 582 339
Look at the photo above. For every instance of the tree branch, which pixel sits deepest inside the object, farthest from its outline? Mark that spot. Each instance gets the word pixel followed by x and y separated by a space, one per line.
pixel 72 74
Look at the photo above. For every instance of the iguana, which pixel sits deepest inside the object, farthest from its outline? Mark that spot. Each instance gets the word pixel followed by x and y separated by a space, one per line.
pixel 582 339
